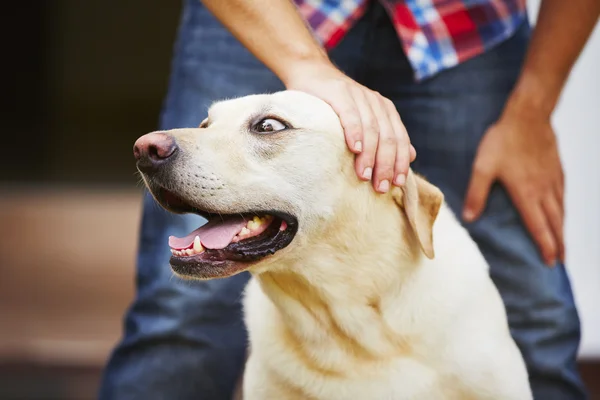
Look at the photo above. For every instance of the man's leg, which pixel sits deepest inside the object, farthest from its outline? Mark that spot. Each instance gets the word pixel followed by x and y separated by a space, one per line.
pixel 446 117
pixel 185 339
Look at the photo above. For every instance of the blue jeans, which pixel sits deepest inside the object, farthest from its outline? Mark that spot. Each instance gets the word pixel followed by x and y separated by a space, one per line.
pixel 186 340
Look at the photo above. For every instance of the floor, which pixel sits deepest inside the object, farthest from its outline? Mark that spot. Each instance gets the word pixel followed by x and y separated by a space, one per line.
pixel 26 382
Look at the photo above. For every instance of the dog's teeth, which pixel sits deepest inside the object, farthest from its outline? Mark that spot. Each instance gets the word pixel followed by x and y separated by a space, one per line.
pixel 189 252
pixel 255 223
pixel 245 231
pixel 197 245
pixel 173 251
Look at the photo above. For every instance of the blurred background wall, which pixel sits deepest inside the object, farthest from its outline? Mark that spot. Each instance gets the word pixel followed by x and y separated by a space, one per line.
pixel 83 80
pixel 86 78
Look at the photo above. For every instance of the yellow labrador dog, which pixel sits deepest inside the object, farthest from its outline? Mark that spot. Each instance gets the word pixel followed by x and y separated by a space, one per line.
pixel 355 295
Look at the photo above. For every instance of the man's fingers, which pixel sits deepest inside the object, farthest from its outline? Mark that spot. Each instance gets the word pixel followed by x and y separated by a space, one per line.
pixel 349 116
pixel 481 181
pixel 387 145
pixel 555 216
pixel 374 131
pixel 535 219
pixel 405 153
pixel 365 161
pixel 554 206
pixel 403 159
pixel 559 192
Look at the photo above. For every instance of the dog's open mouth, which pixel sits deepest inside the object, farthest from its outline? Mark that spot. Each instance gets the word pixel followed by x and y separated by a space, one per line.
pixel 227 243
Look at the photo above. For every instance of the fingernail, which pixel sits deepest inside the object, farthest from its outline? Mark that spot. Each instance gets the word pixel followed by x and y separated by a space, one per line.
pixel 468 215
pixel 384 186
pixel 400 180
pixel 358 146
pixel 367 173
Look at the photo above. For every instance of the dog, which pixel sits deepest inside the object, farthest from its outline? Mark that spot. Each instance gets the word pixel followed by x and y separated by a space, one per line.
pixel 354 294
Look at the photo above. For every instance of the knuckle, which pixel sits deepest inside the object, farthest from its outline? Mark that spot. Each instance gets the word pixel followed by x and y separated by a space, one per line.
pixel 385 170
pixel 388 103
pixel 540 232
pixel 549 249
pixel 376 101
pixel 539 184
pixel 371 124
pixel 348 114
pixel 534 191
pixel 348 111
pixel 526 192
pixel 354 133
pixel 402 166
pixel 387 139
pixel 342 84
pixel 372 95
pixel 368 159
pixel 353 126
pixel 403 139
pixel 481 169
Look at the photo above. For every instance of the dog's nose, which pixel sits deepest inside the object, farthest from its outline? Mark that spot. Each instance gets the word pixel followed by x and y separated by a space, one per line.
pixel 153 150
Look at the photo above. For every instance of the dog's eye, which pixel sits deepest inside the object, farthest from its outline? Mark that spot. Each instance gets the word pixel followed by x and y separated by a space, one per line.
pixel 269 125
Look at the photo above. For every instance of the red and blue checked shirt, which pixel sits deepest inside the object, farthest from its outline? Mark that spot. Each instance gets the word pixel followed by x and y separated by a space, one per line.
pixel 435 34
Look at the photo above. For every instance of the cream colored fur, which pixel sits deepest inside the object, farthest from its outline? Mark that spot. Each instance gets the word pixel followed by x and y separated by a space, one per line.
pixel 378 296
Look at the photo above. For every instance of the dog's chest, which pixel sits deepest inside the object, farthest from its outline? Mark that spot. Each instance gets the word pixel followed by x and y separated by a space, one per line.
pixel 272 376
pixel 286 369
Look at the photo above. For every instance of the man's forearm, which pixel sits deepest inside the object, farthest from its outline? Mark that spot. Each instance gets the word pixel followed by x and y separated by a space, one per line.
pixel 561 32
pixel 272 30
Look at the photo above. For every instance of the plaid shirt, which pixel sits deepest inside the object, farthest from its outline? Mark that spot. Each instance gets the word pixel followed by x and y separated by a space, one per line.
pixel 435 34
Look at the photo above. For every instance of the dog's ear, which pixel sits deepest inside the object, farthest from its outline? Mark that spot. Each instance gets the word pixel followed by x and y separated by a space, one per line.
pixel 421 203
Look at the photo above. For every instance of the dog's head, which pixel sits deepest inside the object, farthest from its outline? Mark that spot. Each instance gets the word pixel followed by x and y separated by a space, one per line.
pixel 268 172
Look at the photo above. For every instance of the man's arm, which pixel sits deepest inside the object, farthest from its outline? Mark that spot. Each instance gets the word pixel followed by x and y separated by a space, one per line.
pixel 562 29
pixel 276 34
pixel 520 150
pixel 272 30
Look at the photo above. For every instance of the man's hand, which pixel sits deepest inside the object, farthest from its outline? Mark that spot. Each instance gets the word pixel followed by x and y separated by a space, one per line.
pixel 520 151
pixel 372 126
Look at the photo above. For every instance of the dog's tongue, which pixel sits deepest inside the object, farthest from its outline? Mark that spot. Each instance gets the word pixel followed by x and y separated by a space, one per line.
pixel 215 234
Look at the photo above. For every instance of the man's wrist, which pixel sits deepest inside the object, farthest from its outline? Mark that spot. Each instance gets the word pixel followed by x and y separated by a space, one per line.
pixel 535 93
pixel 302 63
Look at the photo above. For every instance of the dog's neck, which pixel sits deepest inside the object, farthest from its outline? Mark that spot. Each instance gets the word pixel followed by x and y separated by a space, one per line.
pixel 335 296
